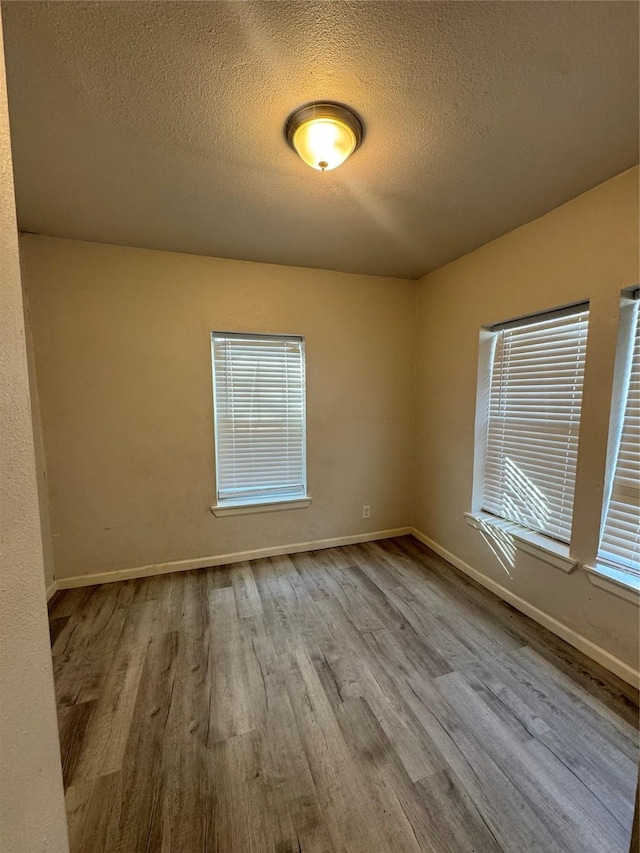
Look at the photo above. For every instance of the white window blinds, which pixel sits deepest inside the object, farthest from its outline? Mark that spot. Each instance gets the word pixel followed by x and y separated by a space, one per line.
pixel 620 541
pixel 534 419
pixel 259 403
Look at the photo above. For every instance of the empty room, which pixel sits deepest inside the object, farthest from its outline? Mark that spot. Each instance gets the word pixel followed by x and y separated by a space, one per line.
pixel 320 442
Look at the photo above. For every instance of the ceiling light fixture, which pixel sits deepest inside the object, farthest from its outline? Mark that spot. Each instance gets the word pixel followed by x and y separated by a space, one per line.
pixel 324 134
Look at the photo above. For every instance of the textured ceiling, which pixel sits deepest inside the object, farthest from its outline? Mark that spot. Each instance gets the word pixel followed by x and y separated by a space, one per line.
pixel 160 124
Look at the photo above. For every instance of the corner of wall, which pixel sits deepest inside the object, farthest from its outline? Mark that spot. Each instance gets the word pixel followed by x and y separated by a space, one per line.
pixel 38 441
pixel 414 400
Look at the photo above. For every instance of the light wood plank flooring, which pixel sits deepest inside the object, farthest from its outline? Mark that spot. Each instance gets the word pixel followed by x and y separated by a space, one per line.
pixel 357 700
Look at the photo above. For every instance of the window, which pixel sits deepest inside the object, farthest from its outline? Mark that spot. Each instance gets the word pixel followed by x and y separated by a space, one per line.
pixel 533 420
pixel 259 408
pixel 620 539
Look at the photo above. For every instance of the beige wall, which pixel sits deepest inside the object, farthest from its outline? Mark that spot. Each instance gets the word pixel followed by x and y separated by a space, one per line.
pixel 122 355
pixel 32 817
pixel 41 472
pixel 587 249
pixel 123 366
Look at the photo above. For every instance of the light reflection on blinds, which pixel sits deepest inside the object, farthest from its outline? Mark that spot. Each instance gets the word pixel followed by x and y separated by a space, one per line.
pixel 534 421
pixel 620 541
pixel 259 402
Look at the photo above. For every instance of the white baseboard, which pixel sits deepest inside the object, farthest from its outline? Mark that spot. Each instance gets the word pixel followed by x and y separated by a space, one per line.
pixel 592 650
pixel 224 559
pixel 595 652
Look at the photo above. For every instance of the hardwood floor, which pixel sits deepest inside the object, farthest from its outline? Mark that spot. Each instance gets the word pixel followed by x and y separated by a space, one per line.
pixel 361 699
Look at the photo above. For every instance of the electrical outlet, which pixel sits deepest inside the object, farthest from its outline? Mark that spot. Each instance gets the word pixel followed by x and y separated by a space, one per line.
pixel 366 511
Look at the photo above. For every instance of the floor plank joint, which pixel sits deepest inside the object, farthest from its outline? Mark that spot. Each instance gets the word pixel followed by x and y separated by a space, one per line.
pixel 368 698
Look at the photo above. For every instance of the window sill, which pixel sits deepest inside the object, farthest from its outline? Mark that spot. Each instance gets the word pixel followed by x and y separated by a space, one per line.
pixel 614 581
pixel 223 510
pixel 554 553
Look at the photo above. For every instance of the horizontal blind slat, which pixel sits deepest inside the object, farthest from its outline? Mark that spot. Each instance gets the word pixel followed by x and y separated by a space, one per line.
pixel 534 408
pixel 620 539
pixel 259 398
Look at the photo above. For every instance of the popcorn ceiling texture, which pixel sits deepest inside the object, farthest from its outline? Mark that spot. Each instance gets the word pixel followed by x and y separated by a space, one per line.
pixel 160 125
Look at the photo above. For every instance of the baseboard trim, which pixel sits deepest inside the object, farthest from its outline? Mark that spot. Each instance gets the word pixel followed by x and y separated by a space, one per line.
pixel 589 648
pixel 224 559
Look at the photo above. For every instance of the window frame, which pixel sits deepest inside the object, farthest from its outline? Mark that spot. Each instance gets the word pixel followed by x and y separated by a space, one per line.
pixel 602 572
pixel 247 504
pixel 537 543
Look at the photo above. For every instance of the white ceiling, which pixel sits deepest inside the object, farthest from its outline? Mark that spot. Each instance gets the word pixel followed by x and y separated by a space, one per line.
pixel 160 124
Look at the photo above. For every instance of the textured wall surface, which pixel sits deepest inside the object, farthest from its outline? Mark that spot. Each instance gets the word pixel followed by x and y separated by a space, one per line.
pixel 161 124
pixel 587 249
pixel 41 466
pixel 122 355
pixel 32 818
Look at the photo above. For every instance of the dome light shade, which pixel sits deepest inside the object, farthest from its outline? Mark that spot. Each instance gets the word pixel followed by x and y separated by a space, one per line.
pixel 324 134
